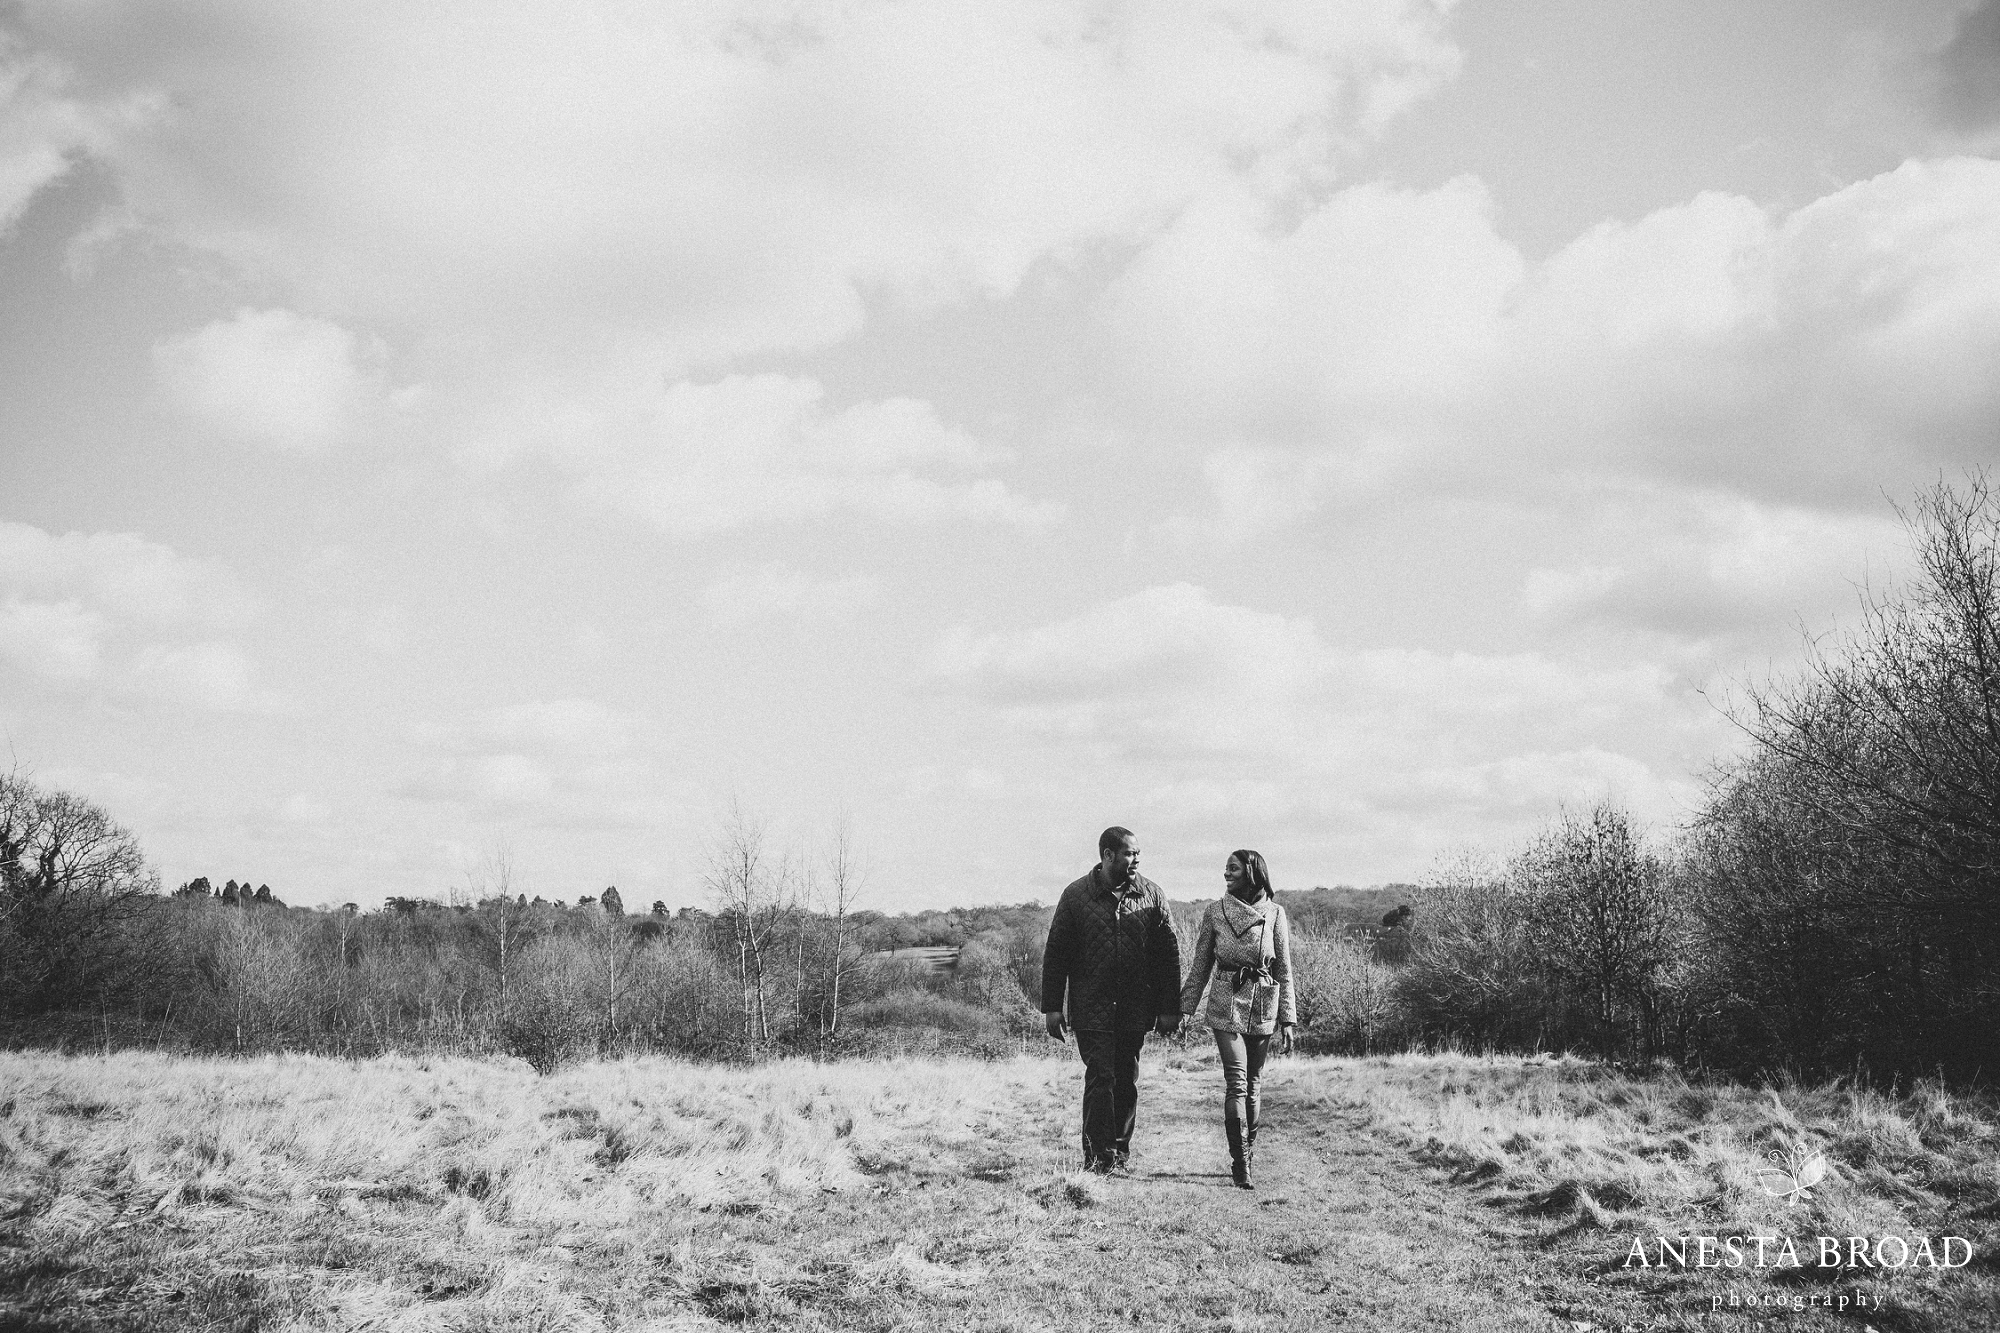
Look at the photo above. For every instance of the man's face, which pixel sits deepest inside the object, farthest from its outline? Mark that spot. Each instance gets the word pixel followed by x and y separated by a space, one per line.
pixel 1121 860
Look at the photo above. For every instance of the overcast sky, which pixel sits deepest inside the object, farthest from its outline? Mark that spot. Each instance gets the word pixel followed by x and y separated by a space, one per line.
pixel 1350 430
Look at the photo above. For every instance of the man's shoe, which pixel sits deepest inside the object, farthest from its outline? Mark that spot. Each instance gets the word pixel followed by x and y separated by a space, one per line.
pixel 1121 1165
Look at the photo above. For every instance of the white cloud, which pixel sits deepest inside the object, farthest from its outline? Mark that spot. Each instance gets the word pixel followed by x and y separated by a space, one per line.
pixel 1717 566
pixel 560 727
pixel 778 590
pixel 731 178
pixel 270 377
pixel 700 459
pixel 1378 303
pixel 495 780
pixel 45 126
pixel 53 640
pixel 1208 724
pixel 556 762
pixel 1393 340
pixel 120 574
pixel 1169 673
pixel 303 808
pixel 219 677
pixel 93 607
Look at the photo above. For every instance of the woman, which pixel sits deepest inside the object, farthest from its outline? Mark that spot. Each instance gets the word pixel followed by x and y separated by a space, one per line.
pixel 1245 942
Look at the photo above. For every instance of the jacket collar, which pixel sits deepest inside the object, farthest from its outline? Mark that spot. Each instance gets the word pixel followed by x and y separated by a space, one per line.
pixel 1136 884
pixel 1241 916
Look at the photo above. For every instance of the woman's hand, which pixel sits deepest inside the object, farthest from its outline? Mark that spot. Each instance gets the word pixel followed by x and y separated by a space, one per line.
pixel 1285 1038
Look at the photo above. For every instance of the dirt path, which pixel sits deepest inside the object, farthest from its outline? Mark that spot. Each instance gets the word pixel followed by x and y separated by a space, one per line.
pixel 1344 1229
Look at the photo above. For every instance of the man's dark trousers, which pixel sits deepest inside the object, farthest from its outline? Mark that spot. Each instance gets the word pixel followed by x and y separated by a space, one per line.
pixel 1110 1092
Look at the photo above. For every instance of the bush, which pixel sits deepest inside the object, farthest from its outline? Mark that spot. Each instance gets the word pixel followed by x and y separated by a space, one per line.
pixel 1346 1000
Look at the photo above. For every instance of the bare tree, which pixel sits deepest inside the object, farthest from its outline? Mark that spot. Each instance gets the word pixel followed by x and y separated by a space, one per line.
pixel 747 890
pixel 844 878
pixel 503 920
pixel 1600 925
pixel 1868 816
pixel 70 881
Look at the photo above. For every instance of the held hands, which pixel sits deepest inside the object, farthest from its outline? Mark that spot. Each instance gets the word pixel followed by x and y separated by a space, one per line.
pixel 1056 1027
pixel 1168 1025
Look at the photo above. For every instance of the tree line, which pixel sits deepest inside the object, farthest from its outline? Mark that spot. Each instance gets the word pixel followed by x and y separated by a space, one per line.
pixel 1833 907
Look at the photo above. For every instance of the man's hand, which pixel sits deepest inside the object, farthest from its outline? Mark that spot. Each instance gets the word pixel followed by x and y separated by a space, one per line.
pixel 1055 1025
pixel 1166 1025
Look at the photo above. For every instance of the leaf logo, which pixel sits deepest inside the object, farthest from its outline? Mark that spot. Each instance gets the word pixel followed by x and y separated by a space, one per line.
pixel 1798 1169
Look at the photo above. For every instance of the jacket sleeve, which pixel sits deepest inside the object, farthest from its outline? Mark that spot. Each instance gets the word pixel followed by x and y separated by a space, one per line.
pixel 1056 955
pixel 1166 962
pixel 1281 968
pixel 1204 963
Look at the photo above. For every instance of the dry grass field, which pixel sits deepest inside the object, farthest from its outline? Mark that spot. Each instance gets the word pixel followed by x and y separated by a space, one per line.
pixel 1412 1193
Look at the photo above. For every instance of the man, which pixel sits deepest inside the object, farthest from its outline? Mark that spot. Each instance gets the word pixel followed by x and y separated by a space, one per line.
pixel 1112 947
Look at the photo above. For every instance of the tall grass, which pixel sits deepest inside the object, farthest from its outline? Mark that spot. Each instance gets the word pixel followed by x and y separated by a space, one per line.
pixel 1599 1151
pixel 468 1192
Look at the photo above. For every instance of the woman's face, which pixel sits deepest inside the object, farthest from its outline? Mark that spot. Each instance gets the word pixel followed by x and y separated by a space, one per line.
pixel 1232 874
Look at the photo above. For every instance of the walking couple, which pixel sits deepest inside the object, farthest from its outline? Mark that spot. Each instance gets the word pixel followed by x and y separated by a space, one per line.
pixel 1113 957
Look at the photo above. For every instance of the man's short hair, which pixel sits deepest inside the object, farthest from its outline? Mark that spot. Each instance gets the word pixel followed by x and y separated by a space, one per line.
pixel 1110 838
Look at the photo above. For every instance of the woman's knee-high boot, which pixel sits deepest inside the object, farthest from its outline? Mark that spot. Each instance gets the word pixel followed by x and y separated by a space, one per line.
pixel 1250 1133
pixel 1239 1161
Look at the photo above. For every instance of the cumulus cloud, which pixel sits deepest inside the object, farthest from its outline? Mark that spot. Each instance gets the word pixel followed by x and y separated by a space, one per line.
pixel 1169 675
pixel 53 640
pixel 521 165
pixel 778 590
pixel 557 727
pixel 555 762
pixel 1393 339
pixel 85 607
pixel 1717 566
pixel 45 125
pixel 698 459
pixel 270 377
pixel 219 677
pixel 1380 301
pixel 121 574
pixel 1209 723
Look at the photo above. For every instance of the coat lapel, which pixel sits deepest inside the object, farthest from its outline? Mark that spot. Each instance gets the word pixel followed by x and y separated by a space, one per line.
pixel 1242 918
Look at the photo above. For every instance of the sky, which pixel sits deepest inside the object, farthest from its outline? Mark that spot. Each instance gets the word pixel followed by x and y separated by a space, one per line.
pixel 438 436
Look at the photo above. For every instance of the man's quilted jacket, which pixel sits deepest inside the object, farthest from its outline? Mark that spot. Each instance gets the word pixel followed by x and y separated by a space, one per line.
pixel 1114 953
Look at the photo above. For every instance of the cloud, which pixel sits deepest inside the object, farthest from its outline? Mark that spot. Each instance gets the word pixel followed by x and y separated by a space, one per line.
pixel 94 607
pixel 559 727
pixel 1171 673
pixel 499 781
pixel 1392 341
pixel 779 590
pixel 1209 720
pixel 219 677
pixel 1380 301
pixel 1968 70
pixel 121 574
pixel 553 762
pixel 270 377
pixel 701 459
pixel 53 640
pixel 45 127
pixel 727 179
pixel 1716 566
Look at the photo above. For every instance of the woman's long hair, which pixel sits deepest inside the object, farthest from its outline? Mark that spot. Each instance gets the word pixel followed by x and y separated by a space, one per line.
pixel 1254 871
